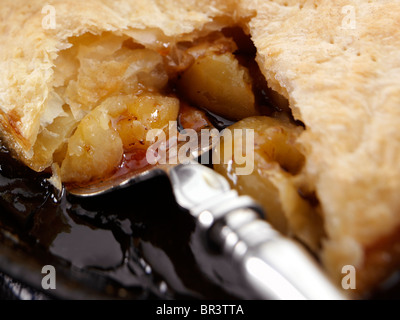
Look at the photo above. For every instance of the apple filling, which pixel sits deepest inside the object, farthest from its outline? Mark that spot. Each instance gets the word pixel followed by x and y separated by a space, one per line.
pixel 117 126
pixel 275 181
pixel 110 91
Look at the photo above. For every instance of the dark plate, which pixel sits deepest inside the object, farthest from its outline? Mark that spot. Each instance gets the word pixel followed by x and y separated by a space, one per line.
pixel 132 244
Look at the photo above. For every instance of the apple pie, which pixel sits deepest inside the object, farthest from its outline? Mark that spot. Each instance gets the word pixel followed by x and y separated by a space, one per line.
pixel 318 81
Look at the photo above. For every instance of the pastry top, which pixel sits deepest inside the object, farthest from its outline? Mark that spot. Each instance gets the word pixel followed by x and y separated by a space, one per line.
pixel 336 61
pixel 31 42
pixel 338 64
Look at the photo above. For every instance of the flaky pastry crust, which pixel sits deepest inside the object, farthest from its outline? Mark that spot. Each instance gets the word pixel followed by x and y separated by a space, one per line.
pixel 337 63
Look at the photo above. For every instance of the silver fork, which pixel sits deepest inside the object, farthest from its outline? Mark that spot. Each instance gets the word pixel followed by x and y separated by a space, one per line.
pixel 275 267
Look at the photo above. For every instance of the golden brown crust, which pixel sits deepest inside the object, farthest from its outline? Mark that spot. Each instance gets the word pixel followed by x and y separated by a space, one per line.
pixel 30 47
pixel 342 78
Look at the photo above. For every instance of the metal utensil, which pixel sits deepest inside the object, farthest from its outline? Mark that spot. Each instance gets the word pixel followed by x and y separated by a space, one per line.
pixel 276 267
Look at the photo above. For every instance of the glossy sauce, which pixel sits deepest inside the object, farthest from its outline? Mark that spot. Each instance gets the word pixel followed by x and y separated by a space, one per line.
pixel 135 243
